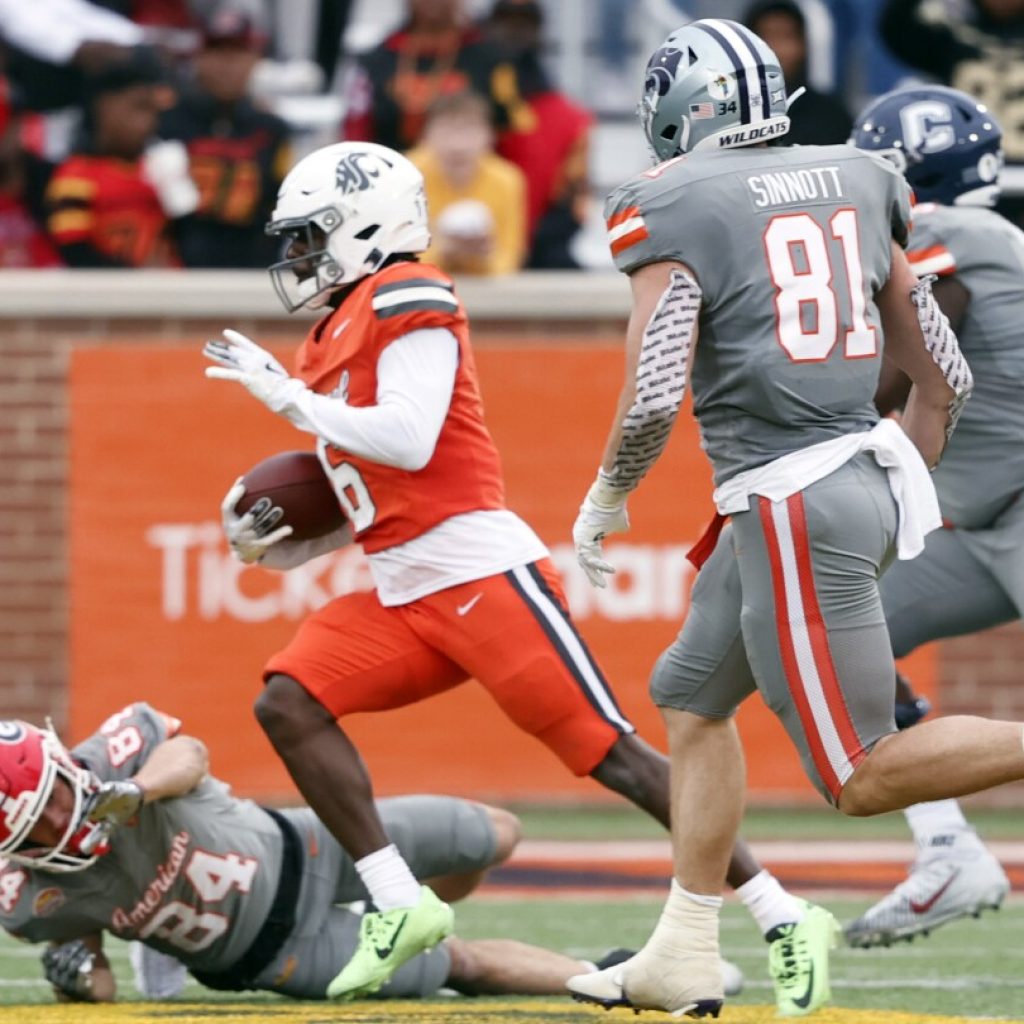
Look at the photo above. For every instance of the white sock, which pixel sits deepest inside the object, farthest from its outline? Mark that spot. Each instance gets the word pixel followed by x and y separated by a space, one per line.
pixel 388 879
pixel 938 824
pixel 769 904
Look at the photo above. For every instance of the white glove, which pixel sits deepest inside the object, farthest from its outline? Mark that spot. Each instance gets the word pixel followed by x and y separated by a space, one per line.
pixel 242 360
pixel 115 803
pixel 603 511
pixel 165 165
pixel 252 534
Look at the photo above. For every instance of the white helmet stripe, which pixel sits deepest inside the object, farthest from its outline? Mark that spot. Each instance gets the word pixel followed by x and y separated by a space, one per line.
pixel 738 43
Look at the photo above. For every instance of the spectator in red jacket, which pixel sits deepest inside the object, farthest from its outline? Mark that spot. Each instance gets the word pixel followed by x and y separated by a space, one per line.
pixel 548 139
pixel 112 203
pixel 437 52
pixel 23 239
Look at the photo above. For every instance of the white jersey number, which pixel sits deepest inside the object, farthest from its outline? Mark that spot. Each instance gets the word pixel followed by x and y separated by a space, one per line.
pixel 212 877
pixel 807 308
pixel 185 927
pixel 353 494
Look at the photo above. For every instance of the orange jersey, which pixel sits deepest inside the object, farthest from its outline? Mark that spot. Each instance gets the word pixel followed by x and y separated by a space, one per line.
pixel 387 505
pixel 106 203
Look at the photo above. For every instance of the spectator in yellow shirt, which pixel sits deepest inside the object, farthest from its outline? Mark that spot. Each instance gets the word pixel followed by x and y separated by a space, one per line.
pixel 476 199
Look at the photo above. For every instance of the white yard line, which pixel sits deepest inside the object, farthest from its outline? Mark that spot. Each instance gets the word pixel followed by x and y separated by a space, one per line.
pixel 835 851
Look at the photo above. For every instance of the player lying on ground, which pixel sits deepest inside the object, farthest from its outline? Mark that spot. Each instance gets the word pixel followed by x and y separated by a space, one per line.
pixel 386 383
pixel 774 280
pixel 128 834
pixel 971 573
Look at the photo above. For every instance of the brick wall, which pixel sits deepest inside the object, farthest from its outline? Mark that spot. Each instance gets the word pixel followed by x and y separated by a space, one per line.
pixel 979 674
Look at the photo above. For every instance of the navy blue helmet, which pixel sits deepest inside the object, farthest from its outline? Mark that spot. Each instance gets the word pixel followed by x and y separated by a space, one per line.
pixel 946 143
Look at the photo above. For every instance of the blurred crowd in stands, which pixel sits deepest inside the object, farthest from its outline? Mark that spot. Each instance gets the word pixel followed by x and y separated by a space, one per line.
pixel 154 133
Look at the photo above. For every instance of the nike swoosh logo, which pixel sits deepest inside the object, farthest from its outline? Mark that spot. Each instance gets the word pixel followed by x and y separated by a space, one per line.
pixel 923 908
pixel 465 609
pixel 383 952
pixel 805 1000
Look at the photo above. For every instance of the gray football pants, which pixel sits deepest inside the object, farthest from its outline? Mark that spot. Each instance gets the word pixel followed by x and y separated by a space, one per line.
pixel 788 604
pixel 965 581
pixel 436 835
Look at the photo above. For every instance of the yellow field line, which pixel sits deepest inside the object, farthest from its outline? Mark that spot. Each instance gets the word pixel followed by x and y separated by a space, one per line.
pixel 462 1011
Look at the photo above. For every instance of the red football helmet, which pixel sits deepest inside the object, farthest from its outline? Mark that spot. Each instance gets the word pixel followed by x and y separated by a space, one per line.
pixel 31 762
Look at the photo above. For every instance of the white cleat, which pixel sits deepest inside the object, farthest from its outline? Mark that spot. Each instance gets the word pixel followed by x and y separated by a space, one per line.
pixel 650 986
pixel 939 888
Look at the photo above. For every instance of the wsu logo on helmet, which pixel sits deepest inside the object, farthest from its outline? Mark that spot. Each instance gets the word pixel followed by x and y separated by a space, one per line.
pixel 356 171
pixel 11 732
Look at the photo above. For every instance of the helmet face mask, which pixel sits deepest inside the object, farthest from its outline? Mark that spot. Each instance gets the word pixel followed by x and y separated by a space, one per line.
pixel 308 277
pixel 946 144
pixel 350 206
pixel 33 765
pixel 712 84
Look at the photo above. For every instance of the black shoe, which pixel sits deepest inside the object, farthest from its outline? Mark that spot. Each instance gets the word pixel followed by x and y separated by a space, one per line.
pixel 613 957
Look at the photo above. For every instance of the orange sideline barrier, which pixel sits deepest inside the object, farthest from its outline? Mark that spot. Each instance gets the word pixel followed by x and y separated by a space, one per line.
pixel 160 610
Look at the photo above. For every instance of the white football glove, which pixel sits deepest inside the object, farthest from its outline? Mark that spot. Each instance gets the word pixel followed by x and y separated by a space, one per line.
pixel 603 511
pixel 115 803
pixel 241 359
pixel 252 534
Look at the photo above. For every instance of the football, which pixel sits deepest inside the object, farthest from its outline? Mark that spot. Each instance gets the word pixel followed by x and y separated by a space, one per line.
pixel 297 484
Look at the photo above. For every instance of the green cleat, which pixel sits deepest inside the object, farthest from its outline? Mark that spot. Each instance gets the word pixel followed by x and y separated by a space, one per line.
pixel 798 961
pixel 387 939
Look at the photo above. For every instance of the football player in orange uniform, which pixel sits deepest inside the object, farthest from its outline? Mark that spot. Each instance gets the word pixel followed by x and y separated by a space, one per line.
pixel 386 382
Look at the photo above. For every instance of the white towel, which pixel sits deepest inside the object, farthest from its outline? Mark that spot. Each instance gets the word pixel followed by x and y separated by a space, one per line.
pixel 909 480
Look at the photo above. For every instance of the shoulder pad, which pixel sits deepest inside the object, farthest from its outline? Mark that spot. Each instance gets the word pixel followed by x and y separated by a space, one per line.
pixel 414 294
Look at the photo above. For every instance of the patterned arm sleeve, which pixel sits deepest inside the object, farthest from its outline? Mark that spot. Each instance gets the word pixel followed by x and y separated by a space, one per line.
pixel 944 349
pixel 660 383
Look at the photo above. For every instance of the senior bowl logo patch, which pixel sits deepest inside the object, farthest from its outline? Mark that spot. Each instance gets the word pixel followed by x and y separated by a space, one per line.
pixel 720 86
pixel 11 732
pixel 48 901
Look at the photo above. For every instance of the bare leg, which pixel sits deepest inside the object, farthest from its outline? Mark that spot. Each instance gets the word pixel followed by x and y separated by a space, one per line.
pixel 708 780
pixel 679 968
pixel 497 966
pixel 640 773
pixel 947 757
pixel 324 763
pixel 507 831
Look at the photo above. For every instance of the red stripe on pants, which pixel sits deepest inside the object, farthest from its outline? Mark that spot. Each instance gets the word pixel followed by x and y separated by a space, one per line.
pixel 787 650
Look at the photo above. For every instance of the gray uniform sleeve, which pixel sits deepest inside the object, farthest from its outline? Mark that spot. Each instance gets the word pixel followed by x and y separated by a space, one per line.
pixel 642 225
pixel 899 197
pixel 123 743
pixel 932 248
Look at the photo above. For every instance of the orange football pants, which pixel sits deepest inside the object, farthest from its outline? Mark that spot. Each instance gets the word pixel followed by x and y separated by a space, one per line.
pixel 511 632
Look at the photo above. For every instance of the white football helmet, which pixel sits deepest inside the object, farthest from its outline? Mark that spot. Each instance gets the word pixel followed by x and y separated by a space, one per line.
pixel 351 205
pixel 31 763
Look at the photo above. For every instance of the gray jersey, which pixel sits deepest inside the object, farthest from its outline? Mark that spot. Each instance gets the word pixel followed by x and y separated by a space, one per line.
pixel 789 246
pixel 982 469
pixel 194 877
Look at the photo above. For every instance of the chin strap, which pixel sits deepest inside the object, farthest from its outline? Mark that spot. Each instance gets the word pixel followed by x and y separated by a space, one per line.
pixel 794 96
